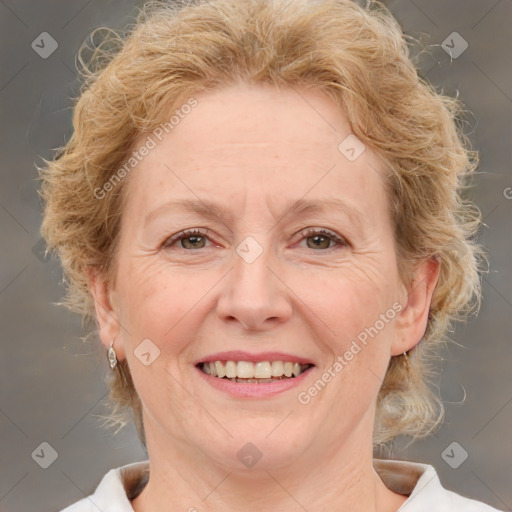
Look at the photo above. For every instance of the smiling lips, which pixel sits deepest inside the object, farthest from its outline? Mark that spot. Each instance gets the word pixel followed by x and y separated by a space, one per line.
pixel 248 371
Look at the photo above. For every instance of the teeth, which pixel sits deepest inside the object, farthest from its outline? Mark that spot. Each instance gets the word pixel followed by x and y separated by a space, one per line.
pixel 221 372
pixel 296 369
pixel 263 370
pixel 246 371
pixel 277 368
pixel 230 369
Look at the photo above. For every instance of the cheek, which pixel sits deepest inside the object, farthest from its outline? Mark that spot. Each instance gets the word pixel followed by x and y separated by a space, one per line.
pixel 348 299
pixel 355 315
pixel 154 298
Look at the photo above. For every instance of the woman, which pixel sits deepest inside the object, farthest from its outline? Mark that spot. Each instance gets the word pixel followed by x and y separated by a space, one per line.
pixel 261 207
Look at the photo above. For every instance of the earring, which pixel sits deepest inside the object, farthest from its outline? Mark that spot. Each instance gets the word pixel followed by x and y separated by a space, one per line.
pixel 112 356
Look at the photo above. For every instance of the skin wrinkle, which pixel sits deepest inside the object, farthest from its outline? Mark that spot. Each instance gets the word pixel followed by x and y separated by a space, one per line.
pixel 322 454
pixel 215 211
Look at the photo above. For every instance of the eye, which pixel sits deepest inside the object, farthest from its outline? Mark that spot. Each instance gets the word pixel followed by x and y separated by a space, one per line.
pixel 191 236
pixel 320 236
pixel 195 238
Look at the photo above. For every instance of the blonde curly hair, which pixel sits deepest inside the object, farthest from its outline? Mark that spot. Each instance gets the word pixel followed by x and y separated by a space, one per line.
pixel 361 59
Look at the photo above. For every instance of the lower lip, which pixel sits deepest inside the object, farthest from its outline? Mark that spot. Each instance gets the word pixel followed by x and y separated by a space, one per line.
pixel 255 389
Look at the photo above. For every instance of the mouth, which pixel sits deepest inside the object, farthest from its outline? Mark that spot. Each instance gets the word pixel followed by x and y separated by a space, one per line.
pixel 253 372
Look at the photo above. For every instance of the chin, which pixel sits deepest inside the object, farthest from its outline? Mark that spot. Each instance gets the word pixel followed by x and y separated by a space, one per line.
pixel 257 445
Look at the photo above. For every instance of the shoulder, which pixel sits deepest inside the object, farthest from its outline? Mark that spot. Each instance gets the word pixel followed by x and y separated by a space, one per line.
pixel 425 492
pixel 113 492
pixel 454 501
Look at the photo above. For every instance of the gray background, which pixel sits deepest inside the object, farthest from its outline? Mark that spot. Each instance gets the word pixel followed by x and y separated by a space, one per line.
pixel 52 382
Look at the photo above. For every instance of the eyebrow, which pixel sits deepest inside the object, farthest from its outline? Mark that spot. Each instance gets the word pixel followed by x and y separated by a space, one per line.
pixel 300 207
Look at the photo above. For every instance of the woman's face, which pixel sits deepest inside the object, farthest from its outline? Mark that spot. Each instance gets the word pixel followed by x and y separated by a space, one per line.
pixel 252 282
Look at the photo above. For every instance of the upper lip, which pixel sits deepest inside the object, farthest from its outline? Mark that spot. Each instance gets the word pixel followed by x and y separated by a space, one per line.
pixel 240 355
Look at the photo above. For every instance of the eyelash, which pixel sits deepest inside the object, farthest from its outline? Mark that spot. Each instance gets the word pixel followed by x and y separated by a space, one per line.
pixel 305 234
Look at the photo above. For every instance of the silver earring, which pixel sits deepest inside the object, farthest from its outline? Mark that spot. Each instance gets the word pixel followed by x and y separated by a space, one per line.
pixel 112 356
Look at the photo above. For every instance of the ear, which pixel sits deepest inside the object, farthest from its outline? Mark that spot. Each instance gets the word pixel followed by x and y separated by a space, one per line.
pixel 411 322
pixel 106 311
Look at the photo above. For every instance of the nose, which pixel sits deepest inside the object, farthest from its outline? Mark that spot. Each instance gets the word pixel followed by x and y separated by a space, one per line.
pixel 254 293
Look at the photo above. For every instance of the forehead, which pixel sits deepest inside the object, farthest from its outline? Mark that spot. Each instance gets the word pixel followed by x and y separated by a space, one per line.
pixel 260 142
pixel 262 117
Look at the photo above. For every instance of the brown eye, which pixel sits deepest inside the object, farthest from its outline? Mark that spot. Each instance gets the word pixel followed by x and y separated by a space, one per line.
pixel 322 238
pixel 194 239
pixel 190 239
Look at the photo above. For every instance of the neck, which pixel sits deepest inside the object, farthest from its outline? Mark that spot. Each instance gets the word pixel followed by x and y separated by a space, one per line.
pixel 341 478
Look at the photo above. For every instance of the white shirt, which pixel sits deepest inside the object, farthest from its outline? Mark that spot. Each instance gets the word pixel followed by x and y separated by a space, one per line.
pixel 418 481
